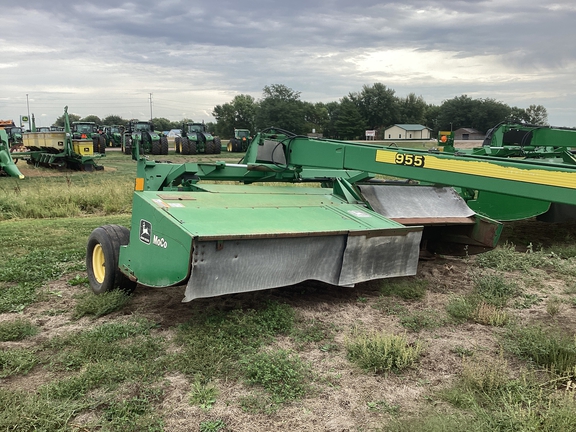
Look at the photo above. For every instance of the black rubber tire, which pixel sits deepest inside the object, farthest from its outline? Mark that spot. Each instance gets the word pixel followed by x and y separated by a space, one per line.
pixel 127 147
pixel 164 145
pixel 209 147
pixel 102 140
pixel 217 145
pixel 193 147
pixel 156 147
pixel 237 145
pixel 95 145
pixel 106 240
pixel 178 144
pixel 185 146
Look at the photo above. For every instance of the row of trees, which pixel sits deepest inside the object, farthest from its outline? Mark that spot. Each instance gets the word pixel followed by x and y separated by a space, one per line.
pixel 375 107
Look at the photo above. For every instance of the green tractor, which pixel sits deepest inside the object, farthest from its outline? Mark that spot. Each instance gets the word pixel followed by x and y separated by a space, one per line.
pixel 113 135
pixel 142 132
pixel 89 130
pixel 240 141
pixel 196 139
pixel 13 133
pixel 14 136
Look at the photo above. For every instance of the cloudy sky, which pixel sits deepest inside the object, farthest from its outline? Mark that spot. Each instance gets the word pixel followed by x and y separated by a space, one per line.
pixel 180 58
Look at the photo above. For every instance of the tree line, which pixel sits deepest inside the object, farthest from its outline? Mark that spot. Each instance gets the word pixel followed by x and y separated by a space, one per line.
pixel 374 107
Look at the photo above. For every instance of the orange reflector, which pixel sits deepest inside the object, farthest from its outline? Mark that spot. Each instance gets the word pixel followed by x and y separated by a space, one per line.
pixel 443 138
pixel 139 184
pixel 84 136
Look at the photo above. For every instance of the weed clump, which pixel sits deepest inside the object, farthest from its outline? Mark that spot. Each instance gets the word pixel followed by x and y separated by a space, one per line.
pixel 282 374
pixel 485 303
pixel 212 425
pixel 546 348
pixel 495 402
pixel 100 305
pixel 203 394
pixel 405 288
pixel 16 362
pixel 380 352
pixel 16 330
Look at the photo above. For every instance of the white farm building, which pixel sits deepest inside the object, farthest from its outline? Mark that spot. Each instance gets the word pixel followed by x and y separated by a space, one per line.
pixel 407 132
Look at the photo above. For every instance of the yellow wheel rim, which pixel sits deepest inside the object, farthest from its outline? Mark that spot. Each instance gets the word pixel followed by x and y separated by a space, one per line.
pixel 229 147
pixel 98 263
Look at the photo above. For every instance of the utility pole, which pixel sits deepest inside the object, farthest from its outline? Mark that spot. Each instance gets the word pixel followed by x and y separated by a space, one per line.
pixel 29 120
pixel 150 106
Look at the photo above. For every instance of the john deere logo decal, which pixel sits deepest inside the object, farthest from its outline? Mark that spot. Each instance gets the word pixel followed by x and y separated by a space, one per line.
pixel 145 231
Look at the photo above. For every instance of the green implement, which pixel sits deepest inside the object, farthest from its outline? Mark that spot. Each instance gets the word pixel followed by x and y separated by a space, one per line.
pixel 220 239
pixel 326 214
pixel 549 154
pixel 7 165
pixel 59 149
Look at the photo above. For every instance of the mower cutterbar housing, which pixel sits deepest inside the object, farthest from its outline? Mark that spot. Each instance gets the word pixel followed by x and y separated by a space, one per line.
pixel 222 239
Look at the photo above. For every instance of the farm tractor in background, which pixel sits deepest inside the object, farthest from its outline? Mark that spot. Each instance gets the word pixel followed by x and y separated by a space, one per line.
pixel 240 141
pixel 113 135
pixel 195 138
pixel 13 133
pixel 142 133
pixel 89 130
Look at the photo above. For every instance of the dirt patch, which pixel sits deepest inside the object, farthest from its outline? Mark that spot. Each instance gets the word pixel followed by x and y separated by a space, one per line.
pixel 467 144
pixel 32 171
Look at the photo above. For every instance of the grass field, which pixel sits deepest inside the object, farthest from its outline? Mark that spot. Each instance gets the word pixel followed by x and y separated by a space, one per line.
pixel 478 343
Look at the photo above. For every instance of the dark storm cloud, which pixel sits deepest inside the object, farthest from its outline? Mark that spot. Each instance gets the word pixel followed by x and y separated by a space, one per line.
pixel 530 31
pixel 472 26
